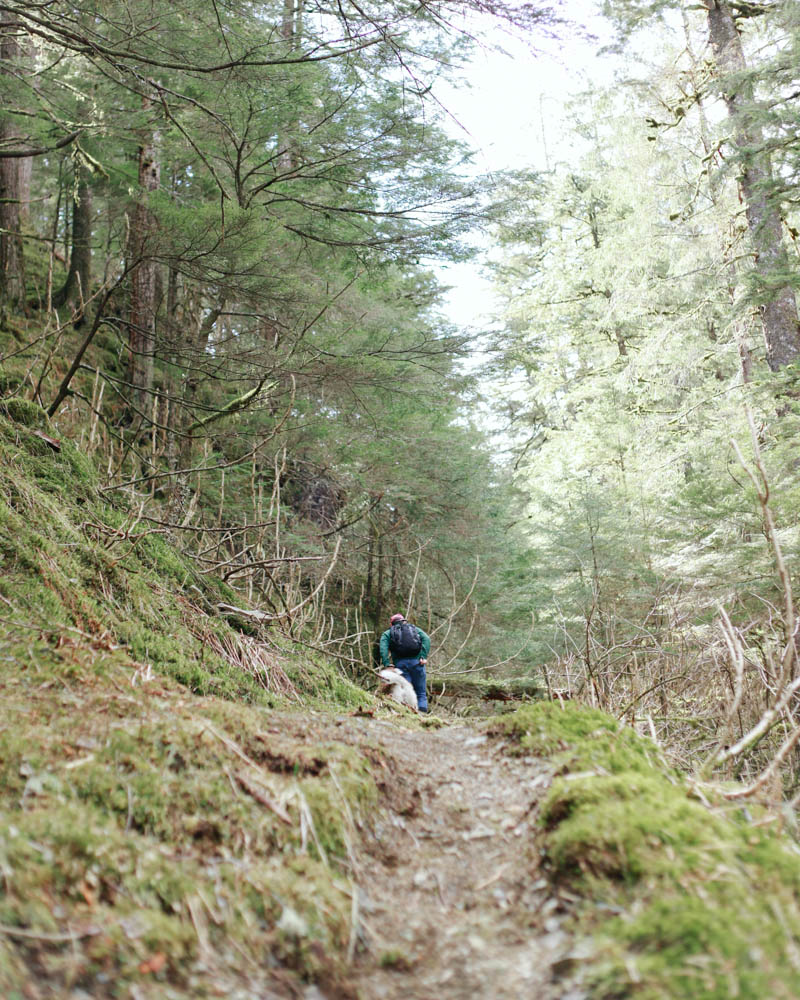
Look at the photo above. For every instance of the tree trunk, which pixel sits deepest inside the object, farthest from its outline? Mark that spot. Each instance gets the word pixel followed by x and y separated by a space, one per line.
pixel 15 178
pixel 195 349
pixel 779 311
pixel 371 541
pixel 174 382
pixel 742 340
pixel 290 31
pixel 75 289
pixel 289 25
pixel 377 608
pixel 142 336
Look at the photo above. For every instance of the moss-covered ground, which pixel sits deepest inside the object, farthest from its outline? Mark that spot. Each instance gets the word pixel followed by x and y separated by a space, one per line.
pixel 70 557
pixel 167 827
pixel 149 837
pixel 685 899
pixel 173 825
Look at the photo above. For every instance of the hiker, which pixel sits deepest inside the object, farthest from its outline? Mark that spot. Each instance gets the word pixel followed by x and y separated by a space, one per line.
pixel 409 647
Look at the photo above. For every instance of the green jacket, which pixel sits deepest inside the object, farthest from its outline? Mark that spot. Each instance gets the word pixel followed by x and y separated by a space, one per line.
pixel 423 653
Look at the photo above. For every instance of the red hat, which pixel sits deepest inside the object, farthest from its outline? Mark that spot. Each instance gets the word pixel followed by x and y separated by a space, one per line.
pixel 397 618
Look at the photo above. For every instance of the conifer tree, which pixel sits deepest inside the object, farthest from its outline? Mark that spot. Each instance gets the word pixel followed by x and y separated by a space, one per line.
pixel 15 168
pixel 777 303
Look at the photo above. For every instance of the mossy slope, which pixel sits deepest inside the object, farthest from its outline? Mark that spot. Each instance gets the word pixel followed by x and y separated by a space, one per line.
pixel 704 905
pixel 152 838
pixel 70 558
pixel 164 832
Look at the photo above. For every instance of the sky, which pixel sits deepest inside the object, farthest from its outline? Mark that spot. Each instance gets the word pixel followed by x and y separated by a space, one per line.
pixel 512 114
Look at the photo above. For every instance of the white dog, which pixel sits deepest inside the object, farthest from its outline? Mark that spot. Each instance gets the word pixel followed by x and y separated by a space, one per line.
pixel 397 687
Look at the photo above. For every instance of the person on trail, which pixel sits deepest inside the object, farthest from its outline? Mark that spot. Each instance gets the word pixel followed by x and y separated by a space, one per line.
pixel 409 647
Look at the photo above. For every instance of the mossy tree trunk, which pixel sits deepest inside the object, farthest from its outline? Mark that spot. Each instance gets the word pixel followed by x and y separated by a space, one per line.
pixel 509 689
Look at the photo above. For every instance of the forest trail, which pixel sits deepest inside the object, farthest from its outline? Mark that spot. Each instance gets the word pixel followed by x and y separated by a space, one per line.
pixel 451 903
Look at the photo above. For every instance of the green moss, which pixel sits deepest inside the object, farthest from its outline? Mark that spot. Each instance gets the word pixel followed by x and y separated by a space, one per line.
pixel 583 738
pixel 167 561
pixel 9 383
pixel 82 470
pixel 709 908
pixel 394 959
pixel 134 820
pixel 688 947
pixel 628 826
pixel 23 411
pixel 352 793
pixel 146 791
pixel 324 685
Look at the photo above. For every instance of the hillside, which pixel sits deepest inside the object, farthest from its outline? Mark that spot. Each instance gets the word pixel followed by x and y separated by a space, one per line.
pixel 189 809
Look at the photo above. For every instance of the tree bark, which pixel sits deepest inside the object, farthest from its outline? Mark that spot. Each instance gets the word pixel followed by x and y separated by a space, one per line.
pixel 75 289
pixel 142 321
pixel 290 31
pixel 779 311
pixel 740 328
pixel 196 345
pixel 377 608
pixel 15 177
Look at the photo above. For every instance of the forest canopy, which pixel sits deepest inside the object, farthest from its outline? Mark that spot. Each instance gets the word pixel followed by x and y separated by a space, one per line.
pixel 218 223
pixel 648 357
pixel 242 427
pixel 220 228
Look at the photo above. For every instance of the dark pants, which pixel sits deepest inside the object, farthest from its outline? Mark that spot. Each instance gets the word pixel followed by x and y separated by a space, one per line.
pixel 414 671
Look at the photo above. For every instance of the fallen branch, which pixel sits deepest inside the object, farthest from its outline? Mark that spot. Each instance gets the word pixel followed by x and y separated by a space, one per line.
pixel 230 610
pixel 768 719
pixel 260 796
pixel 28 935
pixel 511 690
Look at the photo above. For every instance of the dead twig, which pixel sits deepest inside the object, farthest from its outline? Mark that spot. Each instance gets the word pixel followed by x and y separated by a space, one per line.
pixel 260 796
pixel 54 938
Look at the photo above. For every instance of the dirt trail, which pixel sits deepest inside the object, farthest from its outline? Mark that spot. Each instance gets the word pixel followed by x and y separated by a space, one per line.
pixel 451 902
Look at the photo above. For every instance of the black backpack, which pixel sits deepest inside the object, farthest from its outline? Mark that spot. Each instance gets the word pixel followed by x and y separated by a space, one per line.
pixel 404 640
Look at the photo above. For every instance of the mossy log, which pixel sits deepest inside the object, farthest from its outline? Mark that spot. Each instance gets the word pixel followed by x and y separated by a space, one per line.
pixel 516 689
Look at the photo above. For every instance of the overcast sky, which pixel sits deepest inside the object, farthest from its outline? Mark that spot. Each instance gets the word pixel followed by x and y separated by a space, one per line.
pixel 512 114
